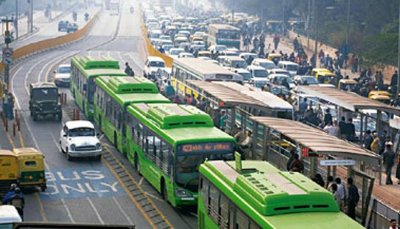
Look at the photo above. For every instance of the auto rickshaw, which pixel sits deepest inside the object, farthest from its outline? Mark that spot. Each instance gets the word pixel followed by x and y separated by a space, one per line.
pixel 323 75
pixel 8 170
pixel 31 168
pixel 347 84
pixel 381 96
pixel 274 57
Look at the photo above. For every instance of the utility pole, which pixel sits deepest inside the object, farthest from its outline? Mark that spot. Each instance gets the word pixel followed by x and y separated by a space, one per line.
pixel 316 33
pixel 8 102
pixel 16 19
pixel 398 61
pixel 348 27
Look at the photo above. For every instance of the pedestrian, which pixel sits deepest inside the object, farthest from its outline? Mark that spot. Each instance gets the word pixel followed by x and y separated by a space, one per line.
pixel 128 70
pixel 393 224
pixel 335 193
pixel 329 183
pixel 368 139
pixel 276 41
pixel 341 192
pixel 388 162
pixel 169 91
pixel 353 198
pixel 7 197
pixel 342 127
pixel 291 159
pixel 375 143
pixel 222 120
pixel 319 180
pixel 297 164
pixel 327 117
pixel 351 130
pixel 398 170
pixel 177 100
pixel 18 201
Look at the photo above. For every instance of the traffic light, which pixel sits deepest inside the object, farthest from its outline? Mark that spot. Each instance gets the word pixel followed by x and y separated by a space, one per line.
pixel 7 37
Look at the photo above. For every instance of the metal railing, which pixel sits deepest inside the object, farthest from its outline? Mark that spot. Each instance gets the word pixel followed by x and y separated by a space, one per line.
pixel 381 214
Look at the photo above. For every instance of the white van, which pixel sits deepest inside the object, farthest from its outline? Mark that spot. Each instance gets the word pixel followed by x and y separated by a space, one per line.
pixel 289 66
pixel 8 216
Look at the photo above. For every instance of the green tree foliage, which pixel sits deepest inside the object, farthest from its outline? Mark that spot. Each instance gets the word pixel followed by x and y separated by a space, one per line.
pixel 372 29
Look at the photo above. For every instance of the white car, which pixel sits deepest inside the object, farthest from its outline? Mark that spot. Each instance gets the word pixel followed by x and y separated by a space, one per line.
pixel 79 139
pixel 267 64
pixel 62 75
pixel 152 66
pixel 185 55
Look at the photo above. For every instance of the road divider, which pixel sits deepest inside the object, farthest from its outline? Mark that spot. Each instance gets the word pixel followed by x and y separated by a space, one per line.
pixel 51 43
pixel 151 51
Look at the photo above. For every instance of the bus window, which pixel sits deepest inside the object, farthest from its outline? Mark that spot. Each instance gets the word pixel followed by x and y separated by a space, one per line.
pixel 242 221
pixel 214 205
pixel 224 212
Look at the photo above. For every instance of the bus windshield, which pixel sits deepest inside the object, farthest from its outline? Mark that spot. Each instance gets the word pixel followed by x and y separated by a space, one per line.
pixel 187 168
pixel 191 156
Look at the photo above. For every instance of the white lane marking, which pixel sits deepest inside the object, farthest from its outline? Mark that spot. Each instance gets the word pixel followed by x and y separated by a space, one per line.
pixel 122 210
pixel 95 210
pixel 154 197
pixel 68 211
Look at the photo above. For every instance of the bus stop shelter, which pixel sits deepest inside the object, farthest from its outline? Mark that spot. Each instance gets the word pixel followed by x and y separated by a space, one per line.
pixel 239 103
pixel 348 101
pixel 274 138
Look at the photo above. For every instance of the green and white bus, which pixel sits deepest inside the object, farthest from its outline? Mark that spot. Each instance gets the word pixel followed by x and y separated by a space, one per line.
pixel 112 97
pixel 255 194
pixel 224 34
pixel 84 69
pixel 168 142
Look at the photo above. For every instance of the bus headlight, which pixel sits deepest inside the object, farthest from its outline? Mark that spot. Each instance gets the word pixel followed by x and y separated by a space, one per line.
pixel 180 192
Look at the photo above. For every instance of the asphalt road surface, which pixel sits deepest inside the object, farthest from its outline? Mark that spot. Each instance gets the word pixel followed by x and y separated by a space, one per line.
pixel 85 191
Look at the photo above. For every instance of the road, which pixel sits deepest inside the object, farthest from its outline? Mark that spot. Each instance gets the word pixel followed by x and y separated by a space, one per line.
pixel 86 191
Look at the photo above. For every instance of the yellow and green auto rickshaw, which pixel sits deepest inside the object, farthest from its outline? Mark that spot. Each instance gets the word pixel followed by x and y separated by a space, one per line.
pixel 347 84
pixel 8 170
pixel 323 75
pixel 381 96
pixel 274 57
pixel 31 168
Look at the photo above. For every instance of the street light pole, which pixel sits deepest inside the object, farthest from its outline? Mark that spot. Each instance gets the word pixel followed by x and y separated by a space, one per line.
pixel 398 61
pixel 16 19
pixel 316 33
pixel 348 26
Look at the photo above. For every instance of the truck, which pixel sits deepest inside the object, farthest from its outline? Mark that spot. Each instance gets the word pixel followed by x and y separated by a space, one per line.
pixel 44 101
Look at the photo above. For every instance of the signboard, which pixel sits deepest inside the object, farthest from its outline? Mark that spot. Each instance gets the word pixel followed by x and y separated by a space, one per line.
pixel 7 55
pixel 337 162
pixel 217 147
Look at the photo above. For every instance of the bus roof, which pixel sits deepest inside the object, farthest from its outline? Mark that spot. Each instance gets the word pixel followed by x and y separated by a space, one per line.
pixel 91 62
pixel 271 196
pixel 180 123
pixel 200 66
pixel 126 90
pixel 103 72
pixel 128 84
pixel 223 27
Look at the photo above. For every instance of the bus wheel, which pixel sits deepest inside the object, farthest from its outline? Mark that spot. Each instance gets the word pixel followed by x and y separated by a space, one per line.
pixel 164 192
pixel 137 164
pixel 115 140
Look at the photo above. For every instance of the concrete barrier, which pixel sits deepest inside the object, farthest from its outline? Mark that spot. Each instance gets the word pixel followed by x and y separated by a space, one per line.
pixel 151 51
pixel 43 45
